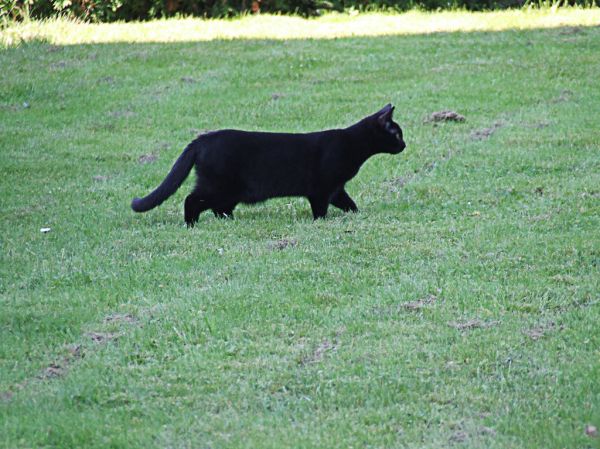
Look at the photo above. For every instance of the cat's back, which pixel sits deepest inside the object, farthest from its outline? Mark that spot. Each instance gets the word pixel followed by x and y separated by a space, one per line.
pixel 256 139
pixel 260 145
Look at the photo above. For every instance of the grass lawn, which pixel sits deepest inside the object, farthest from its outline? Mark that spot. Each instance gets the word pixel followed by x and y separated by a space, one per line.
pixel 459 307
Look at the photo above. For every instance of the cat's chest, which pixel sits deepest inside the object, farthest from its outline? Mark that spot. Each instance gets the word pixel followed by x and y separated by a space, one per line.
pixel 341 169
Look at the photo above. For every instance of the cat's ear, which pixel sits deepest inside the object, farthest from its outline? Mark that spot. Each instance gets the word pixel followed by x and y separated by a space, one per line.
pixel 385 115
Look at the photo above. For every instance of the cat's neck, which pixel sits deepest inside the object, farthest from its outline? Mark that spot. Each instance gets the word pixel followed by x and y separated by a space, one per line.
pixel 361 140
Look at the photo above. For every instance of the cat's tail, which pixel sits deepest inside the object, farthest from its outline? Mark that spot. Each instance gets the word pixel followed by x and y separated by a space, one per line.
pixel 181 169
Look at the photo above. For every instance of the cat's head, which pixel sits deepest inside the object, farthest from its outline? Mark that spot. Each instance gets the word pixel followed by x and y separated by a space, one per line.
pixel 389 131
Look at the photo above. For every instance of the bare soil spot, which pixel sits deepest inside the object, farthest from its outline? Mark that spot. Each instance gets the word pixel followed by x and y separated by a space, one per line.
pixel 283 243
pixel 485 133
pixel 538 332
pixel 53 371
pixel 420 304
pixel 75 350
pixel 445 116
pixel 319 353
pixel 459 437
pixel 565 95
pixel 120 318
pixel 147 158
pixel 397 184
pixel 162 146
pixel 102 337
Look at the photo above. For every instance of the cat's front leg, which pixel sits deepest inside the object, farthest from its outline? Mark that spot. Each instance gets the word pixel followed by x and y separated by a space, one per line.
pixel 342 200
pixel 319 206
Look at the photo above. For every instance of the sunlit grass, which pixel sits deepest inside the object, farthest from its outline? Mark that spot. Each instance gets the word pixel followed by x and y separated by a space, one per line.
pixel 64 31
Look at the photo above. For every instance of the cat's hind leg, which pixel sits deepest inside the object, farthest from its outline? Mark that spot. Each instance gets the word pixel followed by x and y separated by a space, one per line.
pixel 195 204
pixel 223 211
pixel 342 200
pixel 319 206
pixel 224 200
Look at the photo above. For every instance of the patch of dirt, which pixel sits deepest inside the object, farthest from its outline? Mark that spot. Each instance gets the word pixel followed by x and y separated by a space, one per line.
pixel 445 116
pixel 565 95
pixel 189 79
pixel 75 350
pixel 120 318
pixel 397 184
pixel 319 353
pixel 419 304
pixel 52 371
pixel 487 431
pixel 459 437
pixel 538 332
pixel 485 133
pixel 147 158
pixel 101 337
pixel 472 324
pixel 59 368
pixel 283 243
pixel 163 146
pixel 100 178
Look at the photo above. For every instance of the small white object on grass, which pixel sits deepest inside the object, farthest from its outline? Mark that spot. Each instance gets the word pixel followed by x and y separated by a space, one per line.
pixel 45 230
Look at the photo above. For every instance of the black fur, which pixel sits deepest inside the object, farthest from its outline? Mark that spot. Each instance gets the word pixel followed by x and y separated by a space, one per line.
pixel 248 167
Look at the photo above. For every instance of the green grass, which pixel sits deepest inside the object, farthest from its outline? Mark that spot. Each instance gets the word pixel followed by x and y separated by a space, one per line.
pixel 459 307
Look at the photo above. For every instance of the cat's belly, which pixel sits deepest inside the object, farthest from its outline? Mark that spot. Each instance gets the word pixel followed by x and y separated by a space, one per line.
pixel 264 191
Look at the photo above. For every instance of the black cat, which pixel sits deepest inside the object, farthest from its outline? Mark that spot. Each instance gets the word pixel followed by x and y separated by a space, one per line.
pixel 248 167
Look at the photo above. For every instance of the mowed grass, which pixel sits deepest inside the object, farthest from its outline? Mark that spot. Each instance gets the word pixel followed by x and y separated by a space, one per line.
pixel 459 307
